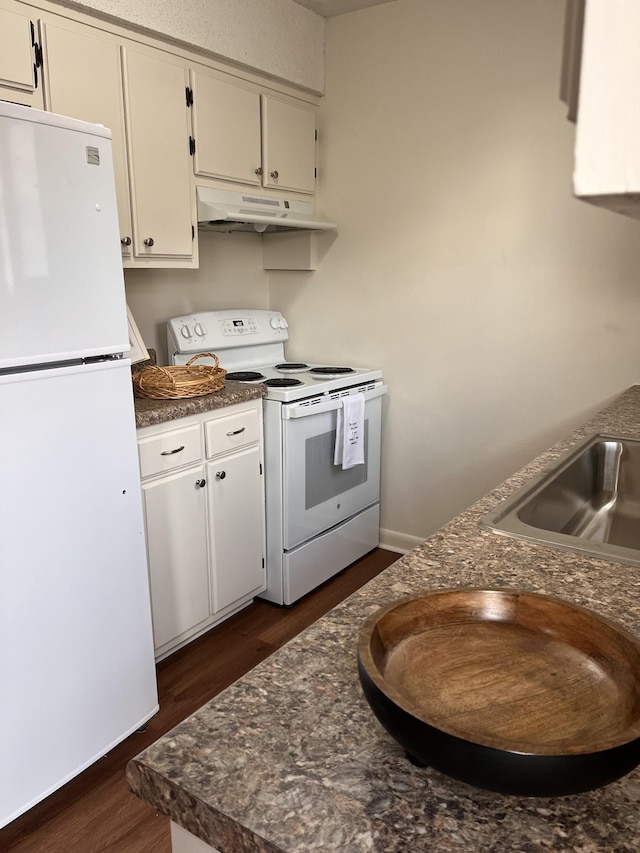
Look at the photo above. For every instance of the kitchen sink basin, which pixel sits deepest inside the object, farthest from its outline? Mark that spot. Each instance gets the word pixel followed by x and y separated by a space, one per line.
pixel 589 502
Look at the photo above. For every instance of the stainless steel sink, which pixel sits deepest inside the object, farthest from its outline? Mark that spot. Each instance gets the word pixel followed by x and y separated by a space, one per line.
pixel 588 502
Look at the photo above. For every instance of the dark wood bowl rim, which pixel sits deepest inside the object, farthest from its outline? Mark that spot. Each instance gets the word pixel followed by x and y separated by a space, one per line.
pixel 628 735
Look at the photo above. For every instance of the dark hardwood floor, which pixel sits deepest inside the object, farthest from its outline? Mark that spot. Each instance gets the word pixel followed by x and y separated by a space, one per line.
pixel 95 813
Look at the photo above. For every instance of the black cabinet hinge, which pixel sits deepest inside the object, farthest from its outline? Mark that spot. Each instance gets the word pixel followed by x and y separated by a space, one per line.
pixel 192 146
pixel 37 55
pixel 316 134
pixel 315 173
pixel 260 468
pixel 193 232
pixel 189 96
pixel 263 562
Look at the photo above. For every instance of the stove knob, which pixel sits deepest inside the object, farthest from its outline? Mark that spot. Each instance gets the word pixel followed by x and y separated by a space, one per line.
pixel 275 323
pixel 185 331
pixel 199 330
pixel 283 323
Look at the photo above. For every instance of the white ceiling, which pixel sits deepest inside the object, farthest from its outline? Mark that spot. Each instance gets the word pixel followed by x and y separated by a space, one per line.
pixel 329 8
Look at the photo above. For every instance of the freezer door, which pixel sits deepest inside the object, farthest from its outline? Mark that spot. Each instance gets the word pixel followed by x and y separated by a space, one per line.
pixel 76 650
pixel 61 283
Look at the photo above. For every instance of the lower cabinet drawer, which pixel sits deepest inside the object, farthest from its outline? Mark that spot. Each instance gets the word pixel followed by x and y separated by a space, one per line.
pixel 169 450
pixel 231 431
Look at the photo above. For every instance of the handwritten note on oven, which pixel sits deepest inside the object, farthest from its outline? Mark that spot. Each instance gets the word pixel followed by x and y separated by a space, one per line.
pixel 349 448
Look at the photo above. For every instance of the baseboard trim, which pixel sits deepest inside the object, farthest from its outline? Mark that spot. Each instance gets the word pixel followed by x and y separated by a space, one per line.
pixel 400 543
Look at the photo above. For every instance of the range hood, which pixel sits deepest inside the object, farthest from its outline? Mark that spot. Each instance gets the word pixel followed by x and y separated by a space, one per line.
pixel 222 210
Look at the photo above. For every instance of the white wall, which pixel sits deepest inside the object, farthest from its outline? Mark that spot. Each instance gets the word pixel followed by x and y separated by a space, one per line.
pixel 501 309
pixel 276 37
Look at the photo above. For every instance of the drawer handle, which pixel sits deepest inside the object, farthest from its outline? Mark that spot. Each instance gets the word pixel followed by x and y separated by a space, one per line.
pixel 236 431
pixel 171 452
pixel 220 475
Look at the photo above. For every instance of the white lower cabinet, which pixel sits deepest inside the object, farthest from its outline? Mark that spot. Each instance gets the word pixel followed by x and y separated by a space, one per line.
pixel 236 522
pixel 203 494
pixel 177 550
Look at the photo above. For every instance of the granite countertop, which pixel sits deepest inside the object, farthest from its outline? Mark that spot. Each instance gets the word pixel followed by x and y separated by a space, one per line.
pixel 151 412
pixel 290 757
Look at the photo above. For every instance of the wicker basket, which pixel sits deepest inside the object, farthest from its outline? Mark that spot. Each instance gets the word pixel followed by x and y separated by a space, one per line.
pixel 176 383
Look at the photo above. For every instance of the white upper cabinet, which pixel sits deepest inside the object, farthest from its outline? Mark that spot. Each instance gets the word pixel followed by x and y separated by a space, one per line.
pixel 140 96
pixel 95 97
pixel 289 145
pixel 607 153
pixel 176 119
pixel 20 59
pixel 157 120
pixel 247 136
pixel 226 126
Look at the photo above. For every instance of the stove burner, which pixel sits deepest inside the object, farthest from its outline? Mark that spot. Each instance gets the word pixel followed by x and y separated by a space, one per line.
pixel 291 365
pixel 244 376
pixel 285 382
pixel 330 371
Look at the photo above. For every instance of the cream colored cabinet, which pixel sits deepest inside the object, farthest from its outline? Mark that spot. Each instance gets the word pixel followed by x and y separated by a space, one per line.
pixel 20 58
pixel 607 151
pixel 226 127
pixel 155 87
pixel 246 136
pixel 140 95
pixel 289 144
pixel 204 519
pixel 95 97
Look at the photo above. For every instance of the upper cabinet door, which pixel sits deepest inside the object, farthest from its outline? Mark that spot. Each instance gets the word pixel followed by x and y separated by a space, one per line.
pixel 159 158
pixel 226 126
pixel 95 97
pixel 288 145
pixel 607 153
pixel 19 60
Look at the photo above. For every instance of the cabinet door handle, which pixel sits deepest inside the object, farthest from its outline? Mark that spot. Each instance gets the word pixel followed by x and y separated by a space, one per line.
pixel 201 483
pixel 274 174
pixel 258 171
pixel 171 452
pixel 236 431
pixel 126 241
pixel 148 241
pixel 220 475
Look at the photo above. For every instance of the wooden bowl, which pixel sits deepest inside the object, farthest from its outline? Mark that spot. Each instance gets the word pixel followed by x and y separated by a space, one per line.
pixel 507 690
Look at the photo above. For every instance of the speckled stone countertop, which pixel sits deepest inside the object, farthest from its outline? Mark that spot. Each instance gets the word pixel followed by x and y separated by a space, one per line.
pixel 290 757
pixel 151 412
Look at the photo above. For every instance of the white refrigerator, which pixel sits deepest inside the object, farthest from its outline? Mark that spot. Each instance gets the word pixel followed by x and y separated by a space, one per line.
pixel 77 671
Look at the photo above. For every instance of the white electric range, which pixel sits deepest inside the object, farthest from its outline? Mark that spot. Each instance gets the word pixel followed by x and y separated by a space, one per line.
pixel 320 517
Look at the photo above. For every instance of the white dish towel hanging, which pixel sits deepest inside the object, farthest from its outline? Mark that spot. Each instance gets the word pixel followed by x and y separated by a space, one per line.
pixel 349 448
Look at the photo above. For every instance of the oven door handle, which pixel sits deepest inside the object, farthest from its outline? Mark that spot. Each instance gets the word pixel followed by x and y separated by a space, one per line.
pixel 331 405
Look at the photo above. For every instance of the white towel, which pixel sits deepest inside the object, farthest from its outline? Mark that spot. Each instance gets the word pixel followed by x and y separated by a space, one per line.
pixel 349 449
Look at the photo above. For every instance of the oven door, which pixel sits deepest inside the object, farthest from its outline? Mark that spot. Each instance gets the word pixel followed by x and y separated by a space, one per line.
pixel 316 493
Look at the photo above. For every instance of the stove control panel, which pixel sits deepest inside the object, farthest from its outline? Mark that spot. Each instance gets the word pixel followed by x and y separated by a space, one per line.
pixel 239 326
pixel 215 330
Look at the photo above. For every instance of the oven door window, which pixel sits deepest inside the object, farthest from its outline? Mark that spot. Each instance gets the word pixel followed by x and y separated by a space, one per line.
pixel 317 493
